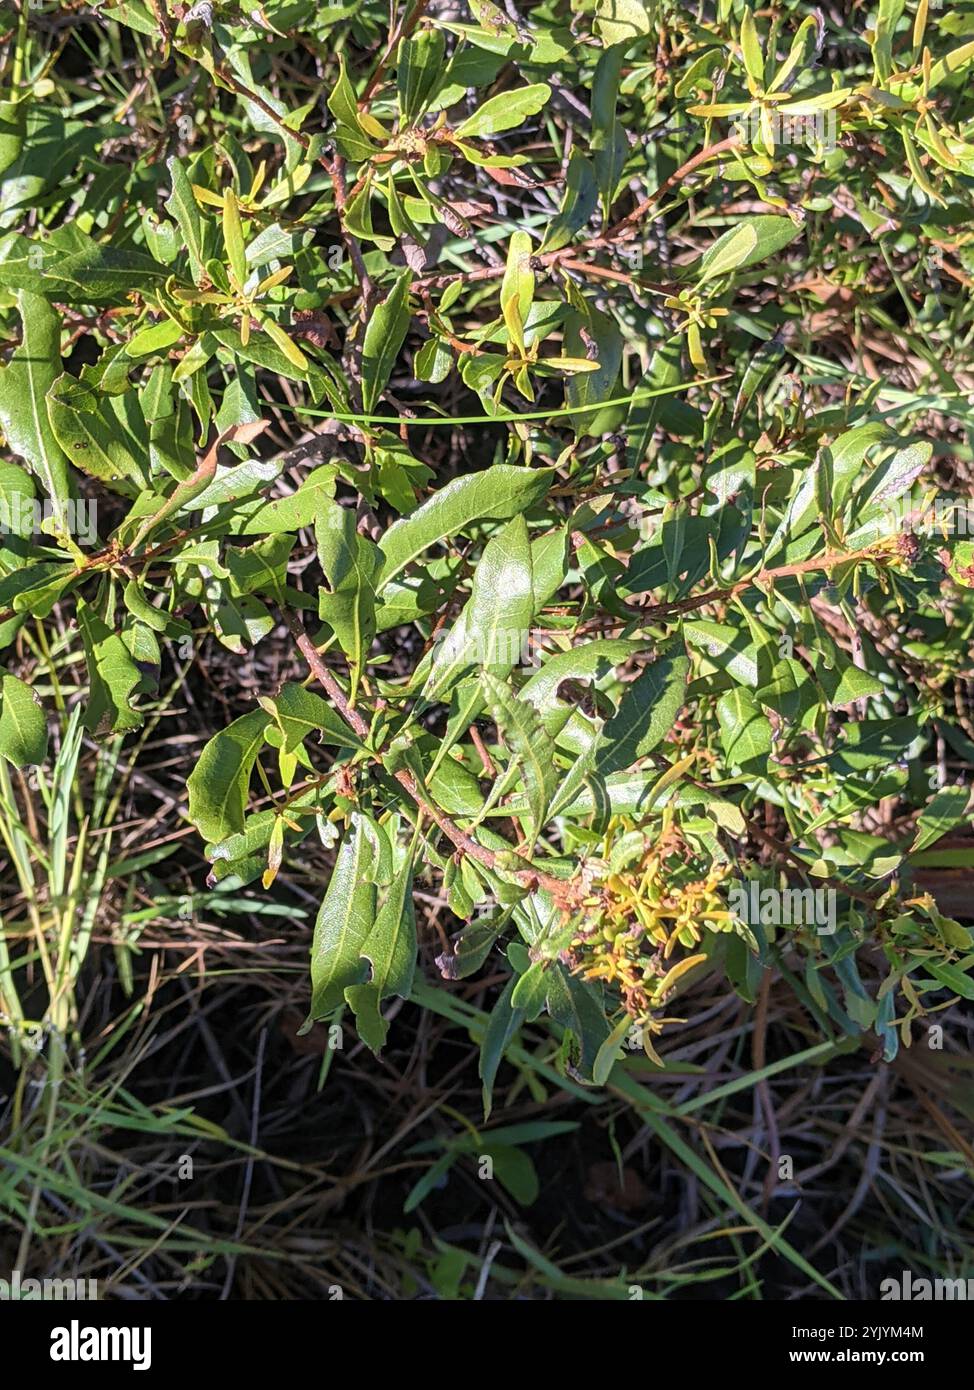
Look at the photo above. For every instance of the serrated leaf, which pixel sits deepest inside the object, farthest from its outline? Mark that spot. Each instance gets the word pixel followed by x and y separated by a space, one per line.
pixel 524 733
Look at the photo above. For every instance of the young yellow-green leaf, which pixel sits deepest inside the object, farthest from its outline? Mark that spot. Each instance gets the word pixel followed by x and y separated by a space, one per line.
pixel 751 50
pixel 384 336
pixel 233 238
pixel 888 17
pixel 956 61
pixel 504 112
pixel 219 783
pixel 804 46
pixel 345 918
pixel 622 21
pixel 518 281
pixel 285 342
pixel 23 729
pixel 917 169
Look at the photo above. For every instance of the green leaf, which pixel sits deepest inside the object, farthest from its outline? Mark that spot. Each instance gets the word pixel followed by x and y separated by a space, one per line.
pixel 496 494
pixel 384 336
pixel 351 563
pixel 233 238
pixel 958 60
pixel 575 1005
pixel 260 568
pixel 523 731
pixel 518 281
pixel 577 204
pixel 419 70
pixel 23 728
pixel 947 809
pixel 502 1027
pixel 589 388
pixel 218 785
pixel 751 50
pixel 589 661
pixel 343 924
pixel 951 977
pixel 504 111
pixel 745 730
pixel 24 384
pixel 729 648
pixel 622 21
pixel 647 712
pixel 751 241
pixel 493 628
pixel 113 676
pixel 261 517
pixel 299 712
pixel 183 206
pixel 514 1170
pixel 390 948
pixel 97 432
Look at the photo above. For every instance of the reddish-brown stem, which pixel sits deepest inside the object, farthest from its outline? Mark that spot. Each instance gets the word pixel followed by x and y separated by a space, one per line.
pixel 562 890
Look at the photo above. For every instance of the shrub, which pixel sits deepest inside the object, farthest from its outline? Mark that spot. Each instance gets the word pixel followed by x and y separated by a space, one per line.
pixel 580 401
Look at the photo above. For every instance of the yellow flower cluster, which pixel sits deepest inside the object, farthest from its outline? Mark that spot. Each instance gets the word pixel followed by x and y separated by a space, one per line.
pixel 636 917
